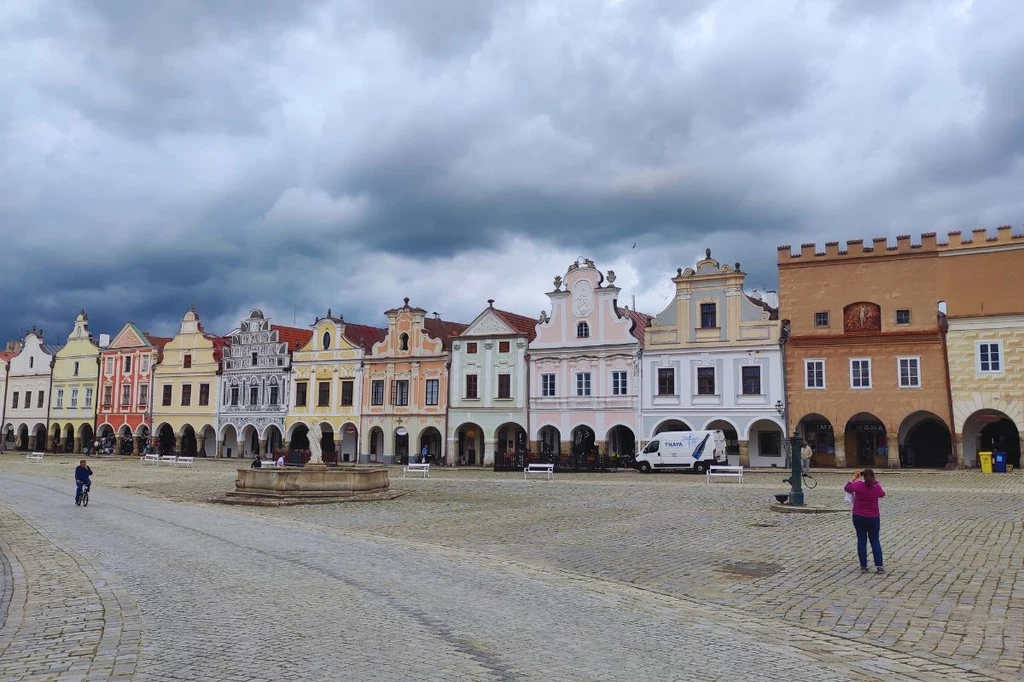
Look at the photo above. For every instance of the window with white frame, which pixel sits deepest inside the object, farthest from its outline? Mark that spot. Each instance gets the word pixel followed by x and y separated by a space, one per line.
pixel 109 369
pixel 126 395
pixel 860 373
pixel 144 364
pixel 619 385
pixel 909 372
pixel 547 385
pixel 990 357
pixel 814 374
pixel 74 398
pixel 583 384
pixel 60 398
pixel 143 395
pixel 582 330
pixel 88 397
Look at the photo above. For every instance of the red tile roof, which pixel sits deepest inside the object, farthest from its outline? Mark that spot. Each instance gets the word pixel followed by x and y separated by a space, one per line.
pixel 520 323
pixel 5 356
pixel 640 322
pixel 295 338
pixel 158 341
pixel 443 330
pixel 219 343
pixel 364 335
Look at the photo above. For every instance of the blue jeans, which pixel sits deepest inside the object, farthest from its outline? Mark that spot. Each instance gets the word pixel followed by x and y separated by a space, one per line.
pixel 78 491
pixel 867 528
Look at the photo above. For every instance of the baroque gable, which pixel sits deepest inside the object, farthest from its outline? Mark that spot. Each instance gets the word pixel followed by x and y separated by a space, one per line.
pixel 488 324
pixel 128 337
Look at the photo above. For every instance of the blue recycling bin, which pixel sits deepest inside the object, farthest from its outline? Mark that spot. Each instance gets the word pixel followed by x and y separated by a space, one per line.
pixel 999 462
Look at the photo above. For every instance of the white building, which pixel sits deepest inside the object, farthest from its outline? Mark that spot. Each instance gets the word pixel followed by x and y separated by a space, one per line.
pixel 585 369
pixel 712 361
pixel 255 386
pixel 28 394
pixel 488 384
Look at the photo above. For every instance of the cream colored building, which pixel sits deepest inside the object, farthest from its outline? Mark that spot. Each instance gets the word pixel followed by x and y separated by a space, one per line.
pixel 185 390
pixel 26 416
pixel 326 385
pixel 75 377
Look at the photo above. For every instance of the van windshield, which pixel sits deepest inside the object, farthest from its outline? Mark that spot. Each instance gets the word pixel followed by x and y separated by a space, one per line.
pixel 652 446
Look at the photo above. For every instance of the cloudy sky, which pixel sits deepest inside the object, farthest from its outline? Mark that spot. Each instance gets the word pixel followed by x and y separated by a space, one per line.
pixel 309 154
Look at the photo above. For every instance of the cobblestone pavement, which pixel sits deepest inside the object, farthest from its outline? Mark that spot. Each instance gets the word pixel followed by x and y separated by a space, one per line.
pixel 476 575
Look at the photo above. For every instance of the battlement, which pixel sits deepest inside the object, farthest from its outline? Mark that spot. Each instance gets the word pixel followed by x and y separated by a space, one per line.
pixel 980 238
pixel 855 248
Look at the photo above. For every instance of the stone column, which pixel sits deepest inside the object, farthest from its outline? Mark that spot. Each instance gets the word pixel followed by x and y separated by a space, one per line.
pixel 220 450
pixel 177 444
pixel 78 444
pixel 894 450
pixel 118 439
pixel 337 447
pixel 136 445
pixel 840 453
pixel 489 447
pixel 263 448
pixel 744 453
pixel 32 442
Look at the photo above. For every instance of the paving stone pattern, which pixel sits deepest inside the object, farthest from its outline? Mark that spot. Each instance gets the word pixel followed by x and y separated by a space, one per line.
pixel 476 575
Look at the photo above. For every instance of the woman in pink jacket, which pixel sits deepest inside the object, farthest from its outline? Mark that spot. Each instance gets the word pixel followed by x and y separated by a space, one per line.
pixel 866 517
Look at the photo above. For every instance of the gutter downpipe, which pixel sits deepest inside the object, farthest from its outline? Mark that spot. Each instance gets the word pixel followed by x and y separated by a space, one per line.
pixel 783 338
pixel 955 455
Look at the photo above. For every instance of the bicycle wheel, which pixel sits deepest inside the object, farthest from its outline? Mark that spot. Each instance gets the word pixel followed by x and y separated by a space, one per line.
pixel 85 498
pixel 809 481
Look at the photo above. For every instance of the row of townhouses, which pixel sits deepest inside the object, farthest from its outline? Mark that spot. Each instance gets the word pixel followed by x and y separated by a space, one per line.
pixel 905 355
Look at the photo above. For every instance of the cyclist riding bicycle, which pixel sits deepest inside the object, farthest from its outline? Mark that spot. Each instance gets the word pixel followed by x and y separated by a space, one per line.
pixel 82 480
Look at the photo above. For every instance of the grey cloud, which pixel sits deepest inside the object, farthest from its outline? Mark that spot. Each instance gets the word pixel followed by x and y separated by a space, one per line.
pixel 231 154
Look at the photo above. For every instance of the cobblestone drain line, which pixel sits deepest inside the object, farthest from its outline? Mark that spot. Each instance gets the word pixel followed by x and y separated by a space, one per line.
pixel 6 585
pixel 67 619
pixel 856 658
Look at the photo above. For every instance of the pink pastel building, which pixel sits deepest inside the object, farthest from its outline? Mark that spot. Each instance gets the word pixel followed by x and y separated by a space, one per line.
pixel 584 367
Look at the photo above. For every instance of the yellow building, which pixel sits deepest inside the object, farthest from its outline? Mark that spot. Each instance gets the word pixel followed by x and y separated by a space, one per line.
pixel 75 377
pixel 185 390
pixel 326 385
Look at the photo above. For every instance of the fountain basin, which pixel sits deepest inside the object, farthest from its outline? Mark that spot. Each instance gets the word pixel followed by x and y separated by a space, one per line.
pixel 311 484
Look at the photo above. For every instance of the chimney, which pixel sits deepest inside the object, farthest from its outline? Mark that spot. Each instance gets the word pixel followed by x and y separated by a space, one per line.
pixel 104 340
pixel 437 316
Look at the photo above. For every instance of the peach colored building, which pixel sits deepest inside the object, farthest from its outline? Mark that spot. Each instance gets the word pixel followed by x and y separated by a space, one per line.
pixel 981 280
pixel 405 387
pixel 585 369
pixel 865 362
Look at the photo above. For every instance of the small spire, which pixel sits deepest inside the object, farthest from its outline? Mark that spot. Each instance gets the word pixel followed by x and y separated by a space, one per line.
pixel 406 299
pixel 737 266
pixel 490 303
pixel 328 312
pixel 707 252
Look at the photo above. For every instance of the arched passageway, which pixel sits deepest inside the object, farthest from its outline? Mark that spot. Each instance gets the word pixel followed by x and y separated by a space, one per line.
pixel 401 440
pixel 991 431
pixel 818 432
pixel 189 444
pixel 470 449
pixel 430 445
pixel 621 441
pixel 732 439
pixel 376 444
pixel 165 438
pixel 867 444
pixel 349 442
pixel 671 425
pixel 127 443
pixel 584 441
pixel 229 441
pixel 330 452
pixel 550 442
pixel 300 438
pixel 40 434
pixel 275 441
pixel 925 442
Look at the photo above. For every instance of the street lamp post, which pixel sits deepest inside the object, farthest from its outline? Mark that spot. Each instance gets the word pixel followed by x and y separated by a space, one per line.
pixel 796 490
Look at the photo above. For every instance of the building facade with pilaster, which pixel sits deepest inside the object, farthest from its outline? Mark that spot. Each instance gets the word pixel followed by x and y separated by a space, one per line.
pixel 712 361
pixel 256 386
pixel 489 403
pixel 75 382
pixel 29 378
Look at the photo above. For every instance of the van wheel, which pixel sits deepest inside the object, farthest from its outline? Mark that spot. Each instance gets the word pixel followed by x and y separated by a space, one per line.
pixel 645 467
pixel 700 467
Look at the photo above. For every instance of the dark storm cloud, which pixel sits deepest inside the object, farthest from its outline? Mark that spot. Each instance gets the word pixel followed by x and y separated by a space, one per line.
pixel 339 153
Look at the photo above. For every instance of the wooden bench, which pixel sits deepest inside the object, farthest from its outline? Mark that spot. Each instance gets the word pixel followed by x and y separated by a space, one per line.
pixel 720 470
pixel 184 462
pixel 34 457
pixel 168 459
pixel 150 459
pixel 414 467
pixel 539 468
pixel 272 463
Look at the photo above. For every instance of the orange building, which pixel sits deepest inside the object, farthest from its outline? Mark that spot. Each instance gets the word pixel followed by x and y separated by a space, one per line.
pixel 865 364
pixel 405 387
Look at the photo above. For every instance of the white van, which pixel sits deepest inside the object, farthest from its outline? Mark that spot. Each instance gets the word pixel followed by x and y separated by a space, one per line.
pixel 683 451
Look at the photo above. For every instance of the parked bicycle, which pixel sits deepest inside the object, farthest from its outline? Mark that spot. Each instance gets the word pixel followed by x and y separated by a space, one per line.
pixel 809 481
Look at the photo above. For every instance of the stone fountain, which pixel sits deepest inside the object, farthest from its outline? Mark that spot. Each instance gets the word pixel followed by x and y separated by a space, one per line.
pixel 314 483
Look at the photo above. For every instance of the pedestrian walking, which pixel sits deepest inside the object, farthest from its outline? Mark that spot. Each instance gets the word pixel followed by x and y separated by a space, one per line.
pixel 866 492
pixel 805 456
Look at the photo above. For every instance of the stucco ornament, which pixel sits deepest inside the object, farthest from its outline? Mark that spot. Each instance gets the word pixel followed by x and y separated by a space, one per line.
pixel 558 282
pixel 582 299
pixel 611 277
pixel 315 450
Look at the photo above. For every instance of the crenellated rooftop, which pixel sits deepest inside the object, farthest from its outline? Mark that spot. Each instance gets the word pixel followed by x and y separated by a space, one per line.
pixel 880 246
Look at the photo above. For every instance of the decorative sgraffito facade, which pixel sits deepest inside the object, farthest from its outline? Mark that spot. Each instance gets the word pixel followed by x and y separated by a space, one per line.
pixel 712 361
pixel 865 365
pixel 327 385
pixel 405 388
pixel 981 280
pixel 124 405
pixel 28 394
pixel 75 381
pixel 489 402
pixel 585 368
pixel 256 386
pixel 185 390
